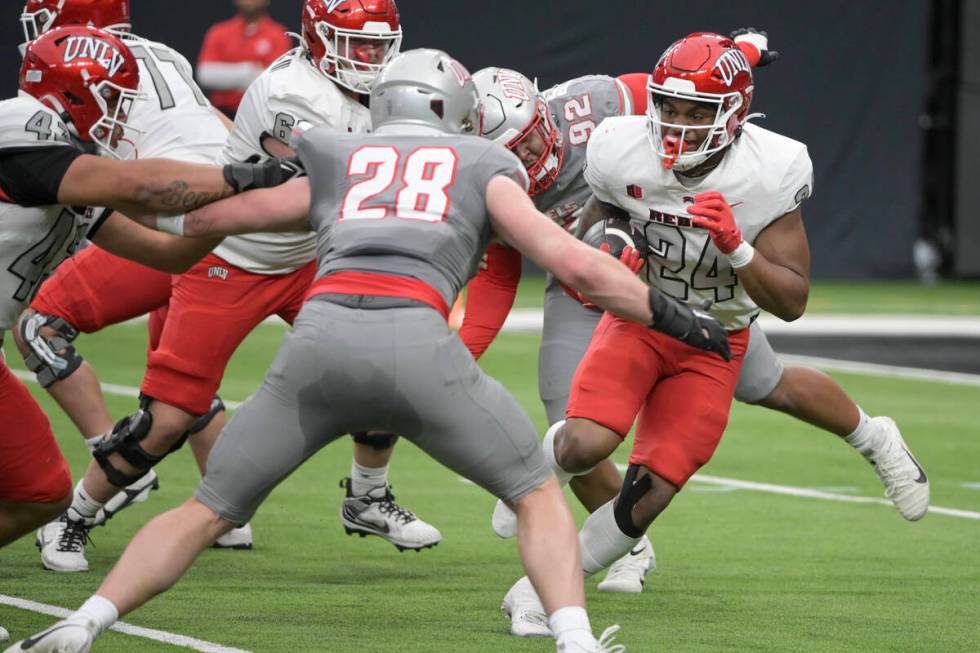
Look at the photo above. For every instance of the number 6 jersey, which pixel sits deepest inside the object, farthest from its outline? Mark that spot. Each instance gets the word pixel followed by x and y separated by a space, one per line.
pixel 763 176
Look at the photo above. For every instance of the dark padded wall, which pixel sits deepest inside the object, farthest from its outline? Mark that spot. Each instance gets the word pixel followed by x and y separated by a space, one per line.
pixel 967 190
pixel 851 84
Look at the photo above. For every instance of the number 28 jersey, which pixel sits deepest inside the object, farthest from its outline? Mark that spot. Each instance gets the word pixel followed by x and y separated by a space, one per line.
pixel 763 176
pixel 33 240
pixel 410 206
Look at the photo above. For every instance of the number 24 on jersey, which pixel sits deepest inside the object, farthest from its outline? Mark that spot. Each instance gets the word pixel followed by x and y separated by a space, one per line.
pixel 426 174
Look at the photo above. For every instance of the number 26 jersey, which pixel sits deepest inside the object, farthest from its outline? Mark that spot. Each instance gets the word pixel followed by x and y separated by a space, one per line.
pixel 762 175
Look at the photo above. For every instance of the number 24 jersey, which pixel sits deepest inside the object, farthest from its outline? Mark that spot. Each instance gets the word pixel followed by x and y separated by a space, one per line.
pixel 763 176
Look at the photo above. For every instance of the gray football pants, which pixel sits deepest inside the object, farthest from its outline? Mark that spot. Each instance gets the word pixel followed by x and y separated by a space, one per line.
pixel 398 370
pixel 567 331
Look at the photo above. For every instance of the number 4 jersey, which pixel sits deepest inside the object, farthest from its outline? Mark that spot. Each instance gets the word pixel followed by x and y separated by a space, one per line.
pixel 34 238
pixel 408 206
pixel 763 176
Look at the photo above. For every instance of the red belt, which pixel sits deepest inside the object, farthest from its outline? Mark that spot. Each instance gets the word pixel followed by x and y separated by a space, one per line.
pixel 379 285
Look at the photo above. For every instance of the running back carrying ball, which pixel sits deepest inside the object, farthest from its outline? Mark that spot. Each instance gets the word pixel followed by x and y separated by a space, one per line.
pixel 617 234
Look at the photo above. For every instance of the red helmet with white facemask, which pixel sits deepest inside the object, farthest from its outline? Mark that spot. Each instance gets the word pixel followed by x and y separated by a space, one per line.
pixel 88 77
pixel 350 41
pixel 708 69
pixel 39 16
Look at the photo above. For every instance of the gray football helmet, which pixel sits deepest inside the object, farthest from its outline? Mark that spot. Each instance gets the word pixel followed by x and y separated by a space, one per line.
pixel 425 90
pixel 513 110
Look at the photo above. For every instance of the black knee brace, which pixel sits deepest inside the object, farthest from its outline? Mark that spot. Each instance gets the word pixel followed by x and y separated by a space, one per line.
pixel 125 440
pixel 52 358
pixel 377 441
pixel 629 495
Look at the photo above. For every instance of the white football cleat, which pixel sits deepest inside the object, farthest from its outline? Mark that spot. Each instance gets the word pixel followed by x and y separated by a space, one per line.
pixel 62 545
pixel 523 607
pixel 628 573
pixel 236 538
pixel 4 635
pixel 137 492
pixel 603 645
pixel 376 513
pixel 504 521
pixel 73 635
pixel 905 481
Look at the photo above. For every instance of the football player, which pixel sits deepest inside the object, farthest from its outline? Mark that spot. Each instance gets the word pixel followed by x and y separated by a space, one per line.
pixel 95 288
pixel 402 218
pixel 802 392
pixel 77 83
pixel 220 300
pixel 718 201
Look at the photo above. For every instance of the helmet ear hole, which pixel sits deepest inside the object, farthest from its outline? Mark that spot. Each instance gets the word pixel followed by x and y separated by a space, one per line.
pixel 437 108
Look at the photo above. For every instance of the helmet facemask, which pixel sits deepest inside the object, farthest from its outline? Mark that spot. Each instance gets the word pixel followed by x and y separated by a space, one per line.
pixel 544 170
pixel 359 67
pixel 670 145
pixel 34 25
pixel 116 104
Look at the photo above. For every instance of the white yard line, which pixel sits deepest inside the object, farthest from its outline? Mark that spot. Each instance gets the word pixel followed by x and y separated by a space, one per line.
pixel 128 629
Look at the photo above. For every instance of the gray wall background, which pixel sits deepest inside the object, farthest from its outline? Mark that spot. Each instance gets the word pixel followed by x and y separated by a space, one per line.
pixel 850 84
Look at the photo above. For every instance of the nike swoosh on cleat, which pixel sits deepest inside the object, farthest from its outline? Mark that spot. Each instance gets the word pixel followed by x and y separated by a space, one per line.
pixel 922 474
pixel 355 519
pixel 637 551
pixel 28 643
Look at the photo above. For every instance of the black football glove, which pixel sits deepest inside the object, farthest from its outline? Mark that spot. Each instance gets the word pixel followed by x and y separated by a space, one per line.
pixel 250 175
pixel 760 40
pixel 691 326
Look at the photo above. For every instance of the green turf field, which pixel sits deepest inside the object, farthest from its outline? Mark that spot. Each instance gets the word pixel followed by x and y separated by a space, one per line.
pixel 738 570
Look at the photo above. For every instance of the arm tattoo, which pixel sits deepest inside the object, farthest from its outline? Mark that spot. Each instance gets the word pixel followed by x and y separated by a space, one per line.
pixel 177 197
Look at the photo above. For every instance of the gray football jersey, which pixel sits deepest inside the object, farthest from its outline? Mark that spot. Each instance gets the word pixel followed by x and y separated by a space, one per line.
pixel 578 106
pixel 411 206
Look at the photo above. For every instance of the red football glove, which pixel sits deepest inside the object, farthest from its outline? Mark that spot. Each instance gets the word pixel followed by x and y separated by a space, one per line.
pixel 712 212
pixel 630 258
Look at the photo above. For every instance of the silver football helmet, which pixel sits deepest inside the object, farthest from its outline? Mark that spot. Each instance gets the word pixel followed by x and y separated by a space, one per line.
pixel 513 112
pixel 425 90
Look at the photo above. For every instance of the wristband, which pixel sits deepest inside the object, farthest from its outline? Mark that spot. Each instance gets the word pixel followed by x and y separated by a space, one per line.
pixel 742 255
pixel 173 224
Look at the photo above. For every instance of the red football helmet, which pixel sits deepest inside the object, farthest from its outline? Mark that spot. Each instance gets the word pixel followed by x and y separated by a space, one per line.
pixel 39 16
pixel 349 41
pixel 708 69
pixel 87 76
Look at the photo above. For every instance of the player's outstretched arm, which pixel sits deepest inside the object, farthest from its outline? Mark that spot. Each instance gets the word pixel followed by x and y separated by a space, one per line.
pixel 283 208
pixel 124 237
pixel 606 281
pixel 161 185
pixel 139 187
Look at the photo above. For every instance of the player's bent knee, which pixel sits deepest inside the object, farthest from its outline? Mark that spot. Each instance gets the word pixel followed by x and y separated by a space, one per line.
pixel 581 444
pixel 45 342
pixel 377 441
pixel 127 441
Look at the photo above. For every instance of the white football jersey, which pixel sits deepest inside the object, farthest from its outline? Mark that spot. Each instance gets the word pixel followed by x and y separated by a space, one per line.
pixel 33 241
pixel 175 120
pixel 763 176
pixel 290 95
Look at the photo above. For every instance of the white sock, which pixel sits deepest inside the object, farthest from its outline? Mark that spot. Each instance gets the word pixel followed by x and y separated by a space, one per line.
pixel 548 446
pixel 100 610
pixel 601 540
pixel 364 479
pixel 864 438
pixel 571 624
pixel 83 504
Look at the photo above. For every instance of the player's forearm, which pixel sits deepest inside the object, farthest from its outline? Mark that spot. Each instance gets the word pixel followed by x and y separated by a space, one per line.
pixel 173 187
pixel 775 288
pixel 607 283
pixel 283 208
pixel 128 239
